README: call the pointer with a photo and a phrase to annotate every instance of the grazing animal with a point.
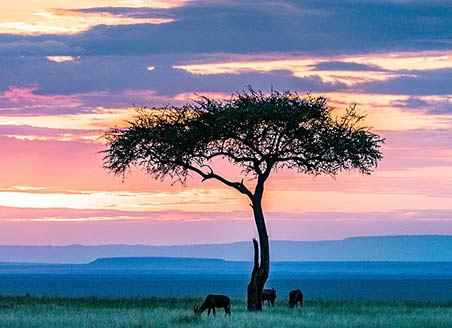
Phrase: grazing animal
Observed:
(214, 301)
(295, 296)
(269, 295)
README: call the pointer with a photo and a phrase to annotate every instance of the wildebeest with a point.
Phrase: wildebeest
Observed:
(214, 301)
(269, 295)
(295, 296)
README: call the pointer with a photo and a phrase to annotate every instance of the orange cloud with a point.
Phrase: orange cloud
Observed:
(61, 59)
(382, 114)
(420, 60)
(303, 66)
(63, 21)
(207, 200)
(192, 199)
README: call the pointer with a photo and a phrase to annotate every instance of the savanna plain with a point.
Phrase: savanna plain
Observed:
(52, 312)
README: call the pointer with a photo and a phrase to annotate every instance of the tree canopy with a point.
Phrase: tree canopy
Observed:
(257, 132)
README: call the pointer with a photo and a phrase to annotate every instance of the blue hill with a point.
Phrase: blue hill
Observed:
(433, 248)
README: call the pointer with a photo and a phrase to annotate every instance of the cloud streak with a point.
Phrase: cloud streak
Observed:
(47, 17)
(69, 227)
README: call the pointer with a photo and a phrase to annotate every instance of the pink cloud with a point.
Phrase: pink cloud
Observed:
(77, 165)
(221, 227)
(22, 99)
(43, 133)
(54, 164)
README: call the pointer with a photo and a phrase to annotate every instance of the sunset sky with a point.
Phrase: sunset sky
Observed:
(69, 71)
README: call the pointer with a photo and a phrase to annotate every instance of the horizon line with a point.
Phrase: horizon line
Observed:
(232, 242)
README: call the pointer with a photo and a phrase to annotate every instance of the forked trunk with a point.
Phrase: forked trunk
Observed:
(261, 269)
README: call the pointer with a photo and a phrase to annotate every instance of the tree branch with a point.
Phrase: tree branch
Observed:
(240, 186)
(262, 177)
(256, 255)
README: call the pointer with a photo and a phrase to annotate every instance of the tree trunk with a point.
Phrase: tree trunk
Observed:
(260, 271)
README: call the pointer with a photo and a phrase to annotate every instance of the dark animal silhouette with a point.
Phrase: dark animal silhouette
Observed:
(269, 295)
(295, 296)
(214, 301)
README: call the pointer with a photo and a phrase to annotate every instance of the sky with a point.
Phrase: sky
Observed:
(71, 70)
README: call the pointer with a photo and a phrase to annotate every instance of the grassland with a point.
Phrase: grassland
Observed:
(170, 312)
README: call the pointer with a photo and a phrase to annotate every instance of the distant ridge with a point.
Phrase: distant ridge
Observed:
(381, 248)
(146, 259)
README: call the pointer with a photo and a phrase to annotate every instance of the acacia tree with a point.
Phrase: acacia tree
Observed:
(259, 133)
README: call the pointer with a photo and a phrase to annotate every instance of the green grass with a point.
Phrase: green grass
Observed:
(170, 312)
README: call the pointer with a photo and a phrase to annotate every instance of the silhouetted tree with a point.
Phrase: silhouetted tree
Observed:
(260, 133)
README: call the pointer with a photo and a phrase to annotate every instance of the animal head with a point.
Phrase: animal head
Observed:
(196, 309)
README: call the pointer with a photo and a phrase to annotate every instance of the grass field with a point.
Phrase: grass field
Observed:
(170, 312)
